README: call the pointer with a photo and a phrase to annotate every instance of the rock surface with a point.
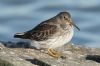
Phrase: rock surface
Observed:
(73, 55)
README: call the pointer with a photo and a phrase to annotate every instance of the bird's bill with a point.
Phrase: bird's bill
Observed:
(75, 26)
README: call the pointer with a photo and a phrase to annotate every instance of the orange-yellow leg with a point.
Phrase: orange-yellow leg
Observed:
(53, 53)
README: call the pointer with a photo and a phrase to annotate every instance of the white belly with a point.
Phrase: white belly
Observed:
(61, 40)
(55, 42)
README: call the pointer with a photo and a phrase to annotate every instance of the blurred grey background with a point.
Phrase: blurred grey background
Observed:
(22, 15)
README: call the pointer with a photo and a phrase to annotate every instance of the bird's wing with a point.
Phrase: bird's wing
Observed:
(42, 32)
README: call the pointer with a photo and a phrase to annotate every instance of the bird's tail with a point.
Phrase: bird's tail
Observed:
(19, 35)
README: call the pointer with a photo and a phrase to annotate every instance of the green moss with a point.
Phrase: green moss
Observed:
(5, 63)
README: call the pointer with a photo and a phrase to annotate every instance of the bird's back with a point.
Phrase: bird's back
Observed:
(41, 32)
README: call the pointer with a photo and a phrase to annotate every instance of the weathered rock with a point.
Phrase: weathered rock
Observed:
(1, 46)
(73, 55)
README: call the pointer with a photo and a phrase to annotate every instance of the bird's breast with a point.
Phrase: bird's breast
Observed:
(62, 39)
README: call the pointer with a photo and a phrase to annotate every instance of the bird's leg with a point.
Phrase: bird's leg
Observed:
(53, 53)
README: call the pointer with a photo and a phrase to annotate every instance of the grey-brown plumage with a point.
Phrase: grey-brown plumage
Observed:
(51, 33)
(45, 29)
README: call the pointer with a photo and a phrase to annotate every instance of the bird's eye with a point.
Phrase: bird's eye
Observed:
(65, 18)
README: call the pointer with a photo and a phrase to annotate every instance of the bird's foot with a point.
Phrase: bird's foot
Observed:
(54, 53)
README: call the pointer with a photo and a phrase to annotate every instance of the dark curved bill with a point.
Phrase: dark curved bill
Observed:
(75, 26)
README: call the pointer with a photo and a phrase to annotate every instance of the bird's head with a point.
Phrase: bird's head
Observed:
(65, 18)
